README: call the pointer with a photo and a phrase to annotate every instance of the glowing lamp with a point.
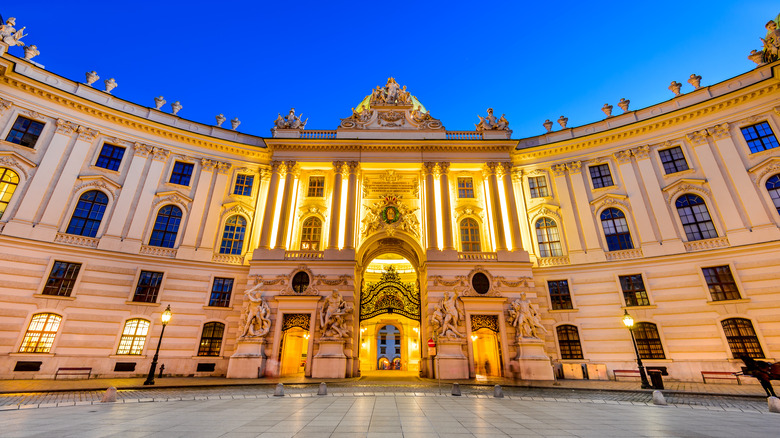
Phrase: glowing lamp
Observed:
(628, 320)
(166, 315)
(474, 338)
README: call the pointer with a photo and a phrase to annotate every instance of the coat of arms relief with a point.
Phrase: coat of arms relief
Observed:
(389, 215)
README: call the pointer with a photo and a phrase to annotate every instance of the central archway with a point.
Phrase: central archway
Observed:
(390, 310)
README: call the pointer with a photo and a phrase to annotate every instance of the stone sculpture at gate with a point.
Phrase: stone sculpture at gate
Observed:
(525, 319)
(332, 316)
(256, 317)
(446, 316)
(9, 34)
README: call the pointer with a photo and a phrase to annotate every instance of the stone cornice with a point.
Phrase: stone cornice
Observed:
(343, 145)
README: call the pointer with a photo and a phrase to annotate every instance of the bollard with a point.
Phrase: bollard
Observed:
(279, 390)
(774, 404)
(456, 389)
(323, 389)
(498, 392)
(109, 396)
(658, 398)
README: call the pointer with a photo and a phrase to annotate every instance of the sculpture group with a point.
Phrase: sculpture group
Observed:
(256, 315)
(290, 122)
(391, 94)
(10, 35)
(525, 319)
(771, 43)
(333, 317)
(491, 122)
(446, 316)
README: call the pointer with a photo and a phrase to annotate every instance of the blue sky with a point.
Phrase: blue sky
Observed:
(530, 60)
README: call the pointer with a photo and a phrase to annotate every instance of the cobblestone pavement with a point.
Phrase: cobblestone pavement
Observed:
(369, 388)
(343, 415)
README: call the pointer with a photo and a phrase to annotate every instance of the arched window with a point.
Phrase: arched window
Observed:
(311, 234)
(133, 336)
(695, 217)
(548, 238)
(211, 339)
(648, 342)
(88, 214)
(166, 226)
(8, 182)
(616, 230)
(40, 333)
(742, 338)
(233, 237)
(569, 342)
(772, 186)
(469, 235)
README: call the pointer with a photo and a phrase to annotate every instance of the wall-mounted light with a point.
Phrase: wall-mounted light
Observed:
(364, 345)
(474, 338)
(305, 336)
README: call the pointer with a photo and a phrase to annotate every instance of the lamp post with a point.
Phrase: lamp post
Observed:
(166, 316)
(629, 322)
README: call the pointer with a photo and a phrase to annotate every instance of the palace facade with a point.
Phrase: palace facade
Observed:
(516, 257)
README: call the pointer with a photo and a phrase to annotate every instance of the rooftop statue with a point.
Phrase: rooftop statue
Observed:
(391, 94)
(491, 122)
(771, 43)
(290, 122)
(10, 35)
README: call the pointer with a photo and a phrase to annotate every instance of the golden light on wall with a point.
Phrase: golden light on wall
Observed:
(488, 200)
(505, 212)
(290, 220)
(437, 203)
(343, 209)
(277, 210)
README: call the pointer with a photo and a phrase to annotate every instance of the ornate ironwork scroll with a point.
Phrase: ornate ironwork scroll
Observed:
(390, 295)
(489, 322)
(291, 320)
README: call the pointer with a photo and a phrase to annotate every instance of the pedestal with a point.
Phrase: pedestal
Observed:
(248, 362)
(330, 362)
(531, 362)
(452, 363)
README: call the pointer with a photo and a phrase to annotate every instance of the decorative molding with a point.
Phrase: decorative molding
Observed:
(438, 280)
(223, 167)
(609, 200)
(544, 209)
(299, 320)
(521, 282)
(71, 239)
(701, 245)
(686, 185)
(623, 156)
(158, 251)
(489, 322)
(237, 207)
(759, 171)
(228, 259)
(17, 162)
(87, 134)
(552, 261)
(160, 154)
(33, 114)
(98, 182)
(697, 137)
(720, 131)
(304, 255)
(478, 256)
(469, 291)
(641, 152)
(141, 149)
(559, 169)
(5, 105)
(311, 289)
(342, 280)
(65, 127)
(625, 254)
(574, 167)
(207, 165)
(171, 197)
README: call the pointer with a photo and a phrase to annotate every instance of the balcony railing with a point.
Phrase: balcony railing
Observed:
(70, 239)
(227, 258)
(553, 261)
(481, 256)
(158, 251)
(624, 254)
(464, 135)
(318, 134)
(701, 245)
(303, 255)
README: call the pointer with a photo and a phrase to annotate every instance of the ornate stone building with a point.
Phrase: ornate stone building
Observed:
(329, 253)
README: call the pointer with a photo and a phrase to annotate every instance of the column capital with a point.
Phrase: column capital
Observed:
(87, 134)
(429, 168)
(559, 169)
(623, 156)
(207, 165)
(160, 154)
(4, 105)
(641, 152)
(697, 137)
(352, 167)
(489, 168)
(66, 127)
(223, 167)
(574, 167)
(517, 175)
(444, 168)
(720, 131)
(265, 173)
(141, 150)
(293, 168)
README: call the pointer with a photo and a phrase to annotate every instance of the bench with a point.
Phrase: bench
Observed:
(727, 375)
(73, 372)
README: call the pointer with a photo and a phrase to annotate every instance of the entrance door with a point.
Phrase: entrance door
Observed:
(388, 348)
(294, 348)
(487, 353)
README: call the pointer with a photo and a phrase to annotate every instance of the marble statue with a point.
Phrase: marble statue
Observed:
(491, 122)
(525, 319)
(332, 316)
(290, 122)
(446, 316)
(771, 43)
(31, 52)
(391, 90)
(9, 34)
(419, 116)
(256, 316)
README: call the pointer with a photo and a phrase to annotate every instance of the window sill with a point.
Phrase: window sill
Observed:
(563, 310)
(141, 303)
(572, 361)
(209, 358)
(657, 361)
(31, 354)
(127, 356)
(649, 306)
(54, 297)
(605, 188)
(177, 186)
(680, 173)
(20, 147)
(104, 169)
(217, 308)
(737, 301)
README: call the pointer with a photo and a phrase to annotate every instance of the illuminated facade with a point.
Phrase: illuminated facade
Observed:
(111, 211)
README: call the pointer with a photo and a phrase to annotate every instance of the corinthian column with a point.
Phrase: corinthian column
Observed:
(511, 203)
(430, 205)
(270, 204)
(349, 224)
(446, 209)
(283, 227)
(335, 207)
(494, 204)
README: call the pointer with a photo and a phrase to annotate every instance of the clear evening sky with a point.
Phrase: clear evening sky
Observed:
(530, 60)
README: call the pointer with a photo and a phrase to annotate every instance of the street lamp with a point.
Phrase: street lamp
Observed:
(166, 316)
(629, 322)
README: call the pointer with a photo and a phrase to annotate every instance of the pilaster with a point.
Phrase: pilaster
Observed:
(645, 234)
(283, 226)
(141, 215)
(335, 207)
(353, 168)
(270, 205)
(489, 171)
(430, 206)
(446, 214)
(212, 225)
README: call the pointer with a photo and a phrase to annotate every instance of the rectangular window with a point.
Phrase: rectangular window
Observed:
(148, 287)
(220, 292)
(25, 132)
(560, 298)
(538, 186)
(244, 185)
(673, 160)
(634, 290)
(316, 187)
(600, 176)
(759, 137)
(721, 283)
(182, 172)
(465, 187)
(61, 279)
(110, 157)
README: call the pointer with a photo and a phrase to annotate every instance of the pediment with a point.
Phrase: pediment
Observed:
(238, 207)
(686, 185)
(767, 167)
(16, 161)
(544, 209)
(99, 182)
(609, 199)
